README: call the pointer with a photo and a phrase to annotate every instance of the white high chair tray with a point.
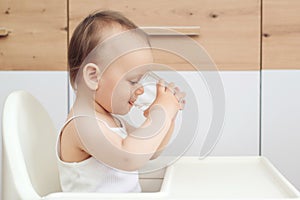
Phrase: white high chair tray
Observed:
(212, 177)
(226, 177)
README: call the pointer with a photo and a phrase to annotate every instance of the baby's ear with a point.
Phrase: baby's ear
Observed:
(91, 75)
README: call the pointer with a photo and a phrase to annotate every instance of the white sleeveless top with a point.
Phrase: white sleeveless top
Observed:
(91, 175)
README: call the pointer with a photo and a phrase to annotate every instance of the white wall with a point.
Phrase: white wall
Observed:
(281, 121)
(49, 87)
(241, 130)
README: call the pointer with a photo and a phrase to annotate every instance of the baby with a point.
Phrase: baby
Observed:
(96, 150)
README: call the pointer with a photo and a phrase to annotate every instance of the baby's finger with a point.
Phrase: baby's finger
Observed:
(160, 86)
(171, 87)
(176, 89)
(182, 104)
(180, 95)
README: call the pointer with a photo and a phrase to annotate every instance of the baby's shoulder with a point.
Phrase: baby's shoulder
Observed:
(69, 133)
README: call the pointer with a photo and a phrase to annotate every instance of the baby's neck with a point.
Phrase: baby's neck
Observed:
(93, 110)
(89, 107)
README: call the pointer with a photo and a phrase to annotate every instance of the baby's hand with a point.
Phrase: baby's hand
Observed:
(169, 97)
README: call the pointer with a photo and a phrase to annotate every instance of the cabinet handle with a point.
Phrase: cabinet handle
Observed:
(172, 30)
(4, 32)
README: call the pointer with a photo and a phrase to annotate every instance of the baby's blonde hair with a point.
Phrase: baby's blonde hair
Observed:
(88, 34)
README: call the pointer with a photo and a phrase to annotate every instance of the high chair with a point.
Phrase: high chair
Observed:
(29, 162)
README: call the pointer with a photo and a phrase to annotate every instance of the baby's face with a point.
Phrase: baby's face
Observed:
(118, 88)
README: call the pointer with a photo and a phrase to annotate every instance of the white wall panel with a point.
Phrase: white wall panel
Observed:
(281, 121)
(49, 87)
(240, 135)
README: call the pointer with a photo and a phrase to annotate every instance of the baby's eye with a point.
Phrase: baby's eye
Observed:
(133, 82)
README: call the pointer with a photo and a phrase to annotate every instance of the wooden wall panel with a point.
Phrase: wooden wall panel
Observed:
(38, 40)
(229, 29)
(281, 34)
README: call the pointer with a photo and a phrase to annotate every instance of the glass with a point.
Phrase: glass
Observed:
(148, 82)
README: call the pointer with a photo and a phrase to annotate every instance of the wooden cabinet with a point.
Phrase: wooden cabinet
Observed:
(281, 34)
(38, 38)
(229, 29)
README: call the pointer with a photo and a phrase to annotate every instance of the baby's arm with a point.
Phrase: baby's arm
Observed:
(164, 143)
(137, 148)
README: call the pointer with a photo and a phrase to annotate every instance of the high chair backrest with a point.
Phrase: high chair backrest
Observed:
(29, 137)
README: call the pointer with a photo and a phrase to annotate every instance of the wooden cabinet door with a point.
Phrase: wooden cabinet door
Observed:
(38, 38)
(229, 29)
(281, 34)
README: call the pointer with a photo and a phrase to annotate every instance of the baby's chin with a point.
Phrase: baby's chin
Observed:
(123, 110)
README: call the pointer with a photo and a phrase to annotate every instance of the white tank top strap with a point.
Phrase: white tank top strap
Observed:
(69, 120)
(121, 131)
(123, 126)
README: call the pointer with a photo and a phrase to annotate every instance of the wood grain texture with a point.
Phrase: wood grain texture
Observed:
(229, 29)
(38, 38)
(281, 34)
